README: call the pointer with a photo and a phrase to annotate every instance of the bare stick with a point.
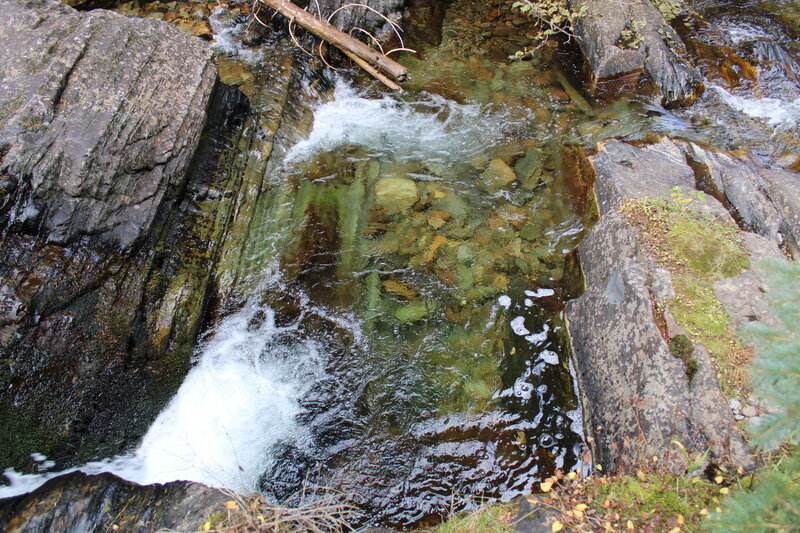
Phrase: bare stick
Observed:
(349, 45)
(373, 71)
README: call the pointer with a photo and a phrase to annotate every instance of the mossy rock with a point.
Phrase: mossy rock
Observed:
(682, 348)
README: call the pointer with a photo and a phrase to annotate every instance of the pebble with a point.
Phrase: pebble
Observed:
(738, 417)
(750, 411)
(735, 404)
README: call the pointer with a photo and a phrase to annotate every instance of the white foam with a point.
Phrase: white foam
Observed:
(518, 326)
(781, 114)
(548, 356)
(540, 293)
(504, 301)
(228, 38)
(240, 400)
(432, 129)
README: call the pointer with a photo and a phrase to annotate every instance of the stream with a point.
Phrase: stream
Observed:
(394, 328)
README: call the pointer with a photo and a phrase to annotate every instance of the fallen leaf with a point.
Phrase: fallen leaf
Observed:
(231, 505)
(557, 526)
(675, 530)
(723, 490)
(640, 475)
(718, 480)
(629, 524)
(545, 486)
(572, 475)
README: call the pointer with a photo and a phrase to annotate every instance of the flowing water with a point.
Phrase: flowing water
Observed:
(393, 326)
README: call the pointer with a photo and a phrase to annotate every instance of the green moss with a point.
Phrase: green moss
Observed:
(697, 251)
(215, 521)
(681, 347)
(23, 433)
(705, 246)
(491, 518)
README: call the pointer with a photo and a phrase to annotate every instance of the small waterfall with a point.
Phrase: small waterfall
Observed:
(237, 403)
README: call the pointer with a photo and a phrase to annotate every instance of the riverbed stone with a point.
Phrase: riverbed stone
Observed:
(624, 38)
(396, 193)
(750, 411)
(497, 176)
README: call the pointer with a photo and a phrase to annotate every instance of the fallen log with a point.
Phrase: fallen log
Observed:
(347, 44)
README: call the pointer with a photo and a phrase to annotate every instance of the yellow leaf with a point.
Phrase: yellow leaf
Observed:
(640, 475)
(681, 520)
(572, 475)
(557, 526)
(703, 511)
(629, 524)
(599, 467)
(581, 507)
(231, 505)
(545, 486)
(718, 480)
(723, 490)
(675, 530)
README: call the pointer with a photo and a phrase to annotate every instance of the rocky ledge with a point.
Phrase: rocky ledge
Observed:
(88, 154)
(77, 503)
(639, 394)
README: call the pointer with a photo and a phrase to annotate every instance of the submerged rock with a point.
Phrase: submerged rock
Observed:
(497, 176)
(105, 502)
(98, 133)
(628, 38)
(396, 193)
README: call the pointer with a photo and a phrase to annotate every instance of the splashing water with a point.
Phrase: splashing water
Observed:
(781, 114)
(433, 128)
(238, 402)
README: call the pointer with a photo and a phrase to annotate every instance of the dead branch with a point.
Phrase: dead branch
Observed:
(374, 62)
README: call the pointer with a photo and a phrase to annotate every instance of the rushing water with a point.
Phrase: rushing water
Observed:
(395, 329)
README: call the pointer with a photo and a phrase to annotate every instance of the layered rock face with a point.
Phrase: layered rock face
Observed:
(100, 117)
(631, 38)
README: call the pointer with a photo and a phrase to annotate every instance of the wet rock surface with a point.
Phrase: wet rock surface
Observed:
(98, 136)
(104, 269)
(764, 199)
(623, 38)
(78, 502)
(639, 396)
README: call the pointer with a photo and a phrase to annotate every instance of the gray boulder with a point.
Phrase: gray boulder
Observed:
(100, 115)
(623, 172)
(620, 38)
